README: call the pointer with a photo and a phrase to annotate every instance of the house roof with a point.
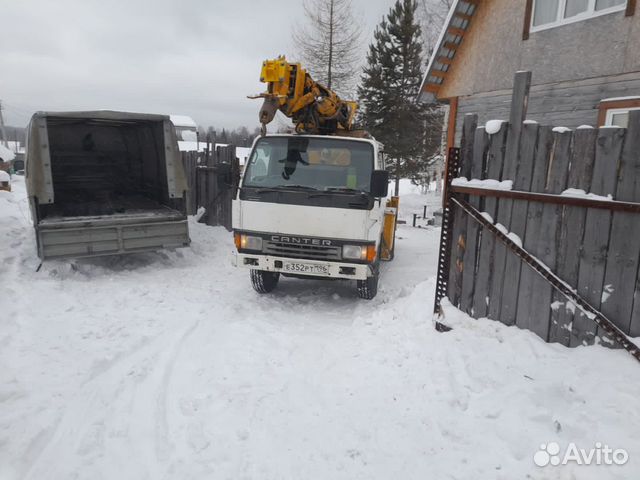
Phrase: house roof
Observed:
(453, 31)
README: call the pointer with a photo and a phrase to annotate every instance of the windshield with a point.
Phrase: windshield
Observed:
(310, 163)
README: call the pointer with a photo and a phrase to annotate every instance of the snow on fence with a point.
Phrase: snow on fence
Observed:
(213, 178)
(574, 205)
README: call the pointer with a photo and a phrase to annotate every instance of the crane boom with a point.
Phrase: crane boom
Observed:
(312, 107)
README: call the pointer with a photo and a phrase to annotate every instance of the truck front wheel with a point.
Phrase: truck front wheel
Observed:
(368, 289)
(264, 282)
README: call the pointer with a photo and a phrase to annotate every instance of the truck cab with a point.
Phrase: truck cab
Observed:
(312, 206)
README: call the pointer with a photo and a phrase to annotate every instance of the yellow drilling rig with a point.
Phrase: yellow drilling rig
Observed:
(314, 108)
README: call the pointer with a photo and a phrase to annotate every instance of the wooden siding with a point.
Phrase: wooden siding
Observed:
(568, 104)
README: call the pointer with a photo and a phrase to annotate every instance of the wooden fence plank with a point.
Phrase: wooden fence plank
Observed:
(572, 233)
(517, 225)
(518, 113)
(459, 232)
(527, 310)
(480, 147)
(597, 228)
(546, 250)
(495, 159)
(624, 247)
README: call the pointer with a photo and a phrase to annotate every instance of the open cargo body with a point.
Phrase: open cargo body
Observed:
(104, 183)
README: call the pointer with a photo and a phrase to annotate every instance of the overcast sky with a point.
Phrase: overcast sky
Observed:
(194, 57)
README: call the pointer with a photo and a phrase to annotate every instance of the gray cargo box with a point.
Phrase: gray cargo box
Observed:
(103, 183)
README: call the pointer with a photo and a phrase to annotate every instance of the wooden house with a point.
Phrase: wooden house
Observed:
(584, 55)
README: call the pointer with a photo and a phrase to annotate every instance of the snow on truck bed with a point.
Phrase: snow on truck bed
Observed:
(168, 366)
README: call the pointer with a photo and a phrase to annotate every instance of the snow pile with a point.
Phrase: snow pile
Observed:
(4, 176)
(493, 126)
(578, 193)
(169, 366)
(561, 129)
(491, 184)
(6, 155)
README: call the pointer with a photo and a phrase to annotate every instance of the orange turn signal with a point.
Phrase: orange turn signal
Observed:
(237, 239)
(371, 253)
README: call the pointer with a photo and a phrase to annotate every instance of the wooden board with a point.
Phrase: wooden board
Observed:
(597, 228)
(495, 159)
(520, 99)
(518, 223)
(624, 246)
(571, 234)
(530, 281)
(480, 148)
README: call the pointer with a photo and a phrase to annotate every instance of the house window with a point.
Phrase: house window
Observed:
(615, 111)
(619, 117)
(553, 13)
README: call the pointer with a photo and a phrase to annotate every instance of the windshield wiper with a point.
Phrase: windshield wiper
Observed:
(298, 187)
(280, 188)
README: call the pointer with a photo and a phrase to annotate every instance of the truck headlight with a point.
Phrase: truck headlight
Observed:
(359, 252)
(354, 252)
(247, 242)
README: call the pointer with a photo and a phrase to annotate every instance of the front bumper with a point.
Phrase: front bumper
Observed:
(352, 271)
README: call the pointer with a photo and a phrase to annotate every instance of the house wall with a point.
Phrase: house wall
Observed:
(568, 104)
(574, 66)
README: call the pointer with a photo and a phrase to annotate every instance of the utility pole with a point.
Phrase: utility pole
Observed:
(2, 130)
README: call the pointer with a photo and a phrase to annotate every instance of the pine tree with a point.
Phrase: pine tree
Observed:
(390, 84)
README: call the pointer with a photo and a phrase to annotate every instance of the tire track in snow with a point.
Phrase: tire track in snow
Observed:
(149, 364)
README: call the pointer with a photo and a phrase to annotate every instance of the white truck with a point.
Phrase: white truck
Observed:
(314, 206)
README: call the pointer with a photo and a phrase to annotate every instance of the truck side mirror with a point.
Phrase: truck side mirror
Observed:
(379, 183)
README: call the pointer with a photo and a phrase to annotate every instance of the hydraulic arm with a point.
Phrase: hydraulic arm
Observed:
(312, 107)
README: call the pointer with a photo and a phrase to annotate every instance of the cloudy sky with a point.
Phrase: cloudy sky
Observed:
(194, 57)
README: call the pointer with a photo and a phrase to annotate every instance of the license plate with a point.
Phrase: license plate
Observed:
(296, 267)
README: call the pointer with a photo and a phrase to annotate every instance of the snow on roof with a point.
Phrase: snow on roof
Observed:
(6, 154)
(620, 99)
(182, 121)
(243, 154)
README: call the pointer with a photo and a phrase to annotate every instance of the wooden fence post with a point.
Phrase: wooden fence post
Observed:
(518, 114)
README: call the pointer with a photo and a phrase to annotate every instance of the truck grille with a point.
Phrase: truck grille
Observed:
(315, 252)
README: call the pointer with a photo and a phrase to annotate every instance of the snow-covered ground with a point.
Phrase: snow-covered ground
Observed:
(169, 366)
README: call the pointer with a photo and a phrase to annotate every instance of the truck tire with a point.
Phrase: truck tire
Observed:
(368, 289)
(264, 282)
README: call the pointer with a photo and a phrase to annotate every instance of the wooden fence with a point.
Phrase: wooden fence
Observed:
(213, 178)
(589, 241)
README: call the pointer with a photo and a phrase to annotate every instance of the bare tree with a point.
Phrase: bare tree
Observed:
(329, 44)
(434, 13)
